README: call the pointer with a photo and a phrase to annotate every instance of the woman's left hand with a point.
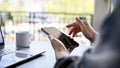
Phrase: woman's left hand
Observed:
(59, 48)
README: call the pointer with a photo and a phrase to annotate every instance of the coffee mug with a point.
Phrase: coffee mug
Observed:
(22, 39)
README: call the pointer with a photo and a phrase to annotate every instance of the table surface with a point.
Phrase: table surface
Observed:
(48, 59)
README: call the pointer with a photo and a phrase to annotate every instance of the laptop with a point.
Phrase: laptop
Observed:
(10, 56)
(3, 51)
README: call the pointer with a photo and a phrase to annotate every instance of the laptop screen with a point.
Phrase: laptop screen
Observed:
(1, 38)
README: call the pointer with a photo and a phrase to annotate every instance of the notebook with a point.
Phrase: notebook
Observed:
(10, 56)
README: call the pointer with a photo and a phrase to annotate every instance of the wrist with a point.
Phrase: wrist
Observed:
(61, 55)
(92, 39)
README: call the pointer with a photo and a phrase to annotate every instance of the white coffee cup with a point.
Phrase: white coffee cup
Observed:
(22, 39)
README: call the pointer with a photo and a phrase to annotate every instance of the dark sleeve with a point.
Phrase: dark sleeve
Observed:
(72, 61)
(91, 59)
(68, 62)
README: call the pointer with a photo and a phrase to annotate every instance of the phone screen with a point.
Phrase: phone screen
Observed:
(67, 41)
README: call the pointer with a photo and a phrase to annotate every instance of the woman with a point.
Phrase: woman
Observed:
(77, 26)
(104, 54)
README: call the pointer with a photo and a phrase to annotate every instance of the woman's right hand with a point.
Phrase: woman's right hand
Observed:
(82, 26)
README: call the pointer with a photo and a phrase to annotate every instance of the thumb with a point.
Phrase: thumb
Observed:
(50, 37)
(79, 21)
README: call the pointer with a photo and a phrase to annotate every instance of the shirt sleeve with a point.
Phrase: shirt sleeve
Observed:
(71, 62)
(91, 59)
(68, 62)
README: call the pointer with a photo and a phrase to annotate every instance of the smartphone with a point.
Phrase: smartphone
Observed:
(66, 39)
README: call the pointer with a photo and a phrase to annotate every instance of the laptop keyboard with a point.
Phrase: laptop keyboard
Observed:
(5, 52)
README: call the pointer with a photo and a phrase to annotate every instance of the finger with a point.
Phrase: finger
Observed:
(50, 37)
(85, 22)
(58, 43)
(75, 33)
(71, 31)
(53, 42)
(79, 21)
(71, 25)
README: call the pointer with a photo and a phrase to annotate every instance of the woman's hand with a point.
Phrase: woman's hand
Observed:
(82, 26)
(59, 48)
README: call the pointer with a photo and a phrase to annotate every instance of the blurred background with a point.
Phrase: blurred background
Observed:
(31, 15)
